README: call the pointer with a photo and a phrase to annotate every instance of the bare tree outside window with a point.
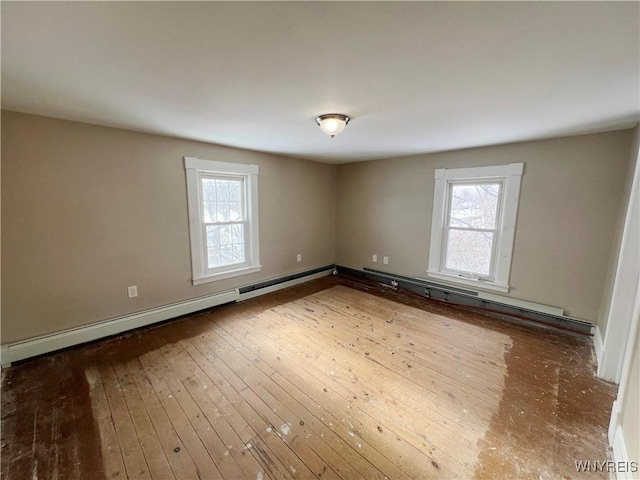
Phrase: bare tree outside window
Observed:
(471, 229)
(224, 220)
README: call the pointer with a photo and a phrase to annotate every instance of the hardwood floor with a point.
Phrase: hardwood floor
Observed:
(329, 379)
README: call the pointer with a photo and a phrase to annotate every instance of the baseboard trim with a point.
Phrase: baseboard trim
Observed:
(44, 344)
(605, 369)
(75, 336)
(598, 347)
(621, 456)
(4, 354)
(619, 445)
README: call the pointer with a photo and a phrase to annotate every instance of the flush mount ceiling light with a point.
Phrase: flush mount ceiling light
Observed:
(332, 123)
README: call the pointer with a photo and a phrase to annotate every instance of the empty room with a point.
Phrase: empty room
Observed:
(341, 240)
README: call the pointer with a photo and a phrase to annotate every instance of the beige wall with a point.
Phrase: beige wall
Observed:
(571, 194)
(89, 210)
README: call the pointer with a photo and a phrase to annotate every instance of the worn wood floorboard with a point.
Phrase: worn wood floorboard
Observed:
(335, 379)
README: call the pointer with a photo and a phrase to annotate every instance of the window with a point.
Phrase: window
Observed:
(473, 225)
(223, 219)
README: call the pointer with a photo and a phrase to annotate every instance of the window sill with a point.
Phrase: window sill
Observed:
(469, 282)
(224, 275)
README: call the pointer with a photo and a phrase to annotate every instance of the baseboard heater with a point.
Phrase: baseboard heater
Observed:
(267, 286)
(36, 346)
(528, 312)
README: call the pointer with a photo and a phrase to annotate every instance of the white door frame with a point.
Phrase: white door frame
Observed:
(621, 319)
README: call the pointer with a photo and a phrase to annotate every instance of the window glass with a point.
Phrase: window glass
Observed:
(474, 206)
(469, 251)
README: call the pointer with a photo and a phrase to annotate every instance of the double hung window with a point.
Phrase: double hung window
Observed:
(223, 219)
(473, 225)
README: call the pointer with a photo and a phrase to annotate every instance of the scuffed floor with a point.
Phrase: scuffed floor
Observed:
(329, 379)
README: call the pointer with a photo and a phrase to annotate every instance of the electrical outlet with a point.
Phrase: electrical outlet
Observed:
(385, 260)
(374, 258)
(299, 257)
(132, 291)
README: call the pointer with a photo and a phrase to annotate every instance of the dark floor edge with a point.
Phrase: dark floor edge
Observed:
(469, 299)
(70, 338)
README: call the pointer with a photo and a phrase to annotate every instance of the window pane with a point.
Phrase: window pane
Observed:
(209, 189)
(222, 190)
(226, 255)
(235, 191)
(222, 214)
(225, 245)
(229, 190)
(469, 251)
(235, 211)
(237, 233)
(209, 211)
(474, 206)
(222, 200)
(238, 253)
(213, 257)
(225, 234)
(213, 236)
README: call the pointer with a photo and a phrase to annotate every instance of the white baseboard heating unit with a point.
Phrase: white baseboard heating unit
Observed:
(67, 338)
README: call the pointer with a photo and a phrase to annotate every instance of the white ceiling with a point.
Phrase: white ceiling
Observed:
(415, 77)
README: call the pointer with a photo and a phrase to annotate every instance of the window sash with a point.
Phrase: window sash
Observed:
(205, 242)
(242, 179)
(447, 228)
(469, 273)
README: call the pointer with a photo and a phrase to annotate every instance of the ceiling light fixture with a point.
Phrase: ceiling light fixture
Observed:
(332, 123)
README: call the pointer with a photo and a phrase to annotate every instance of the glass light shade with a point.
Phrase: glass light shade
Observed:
(333, 123)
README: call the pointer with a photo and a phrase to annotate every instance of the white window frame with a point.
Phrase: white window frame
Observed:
(196, 169)
(510, 176)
